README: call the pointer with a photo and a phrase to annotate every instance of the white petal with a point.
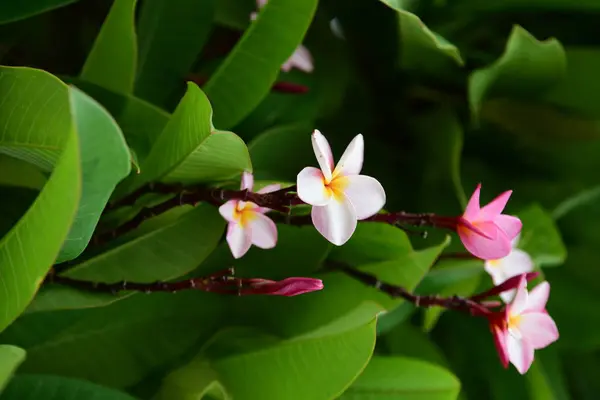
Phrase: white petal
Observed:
(247, 181)
(239, 239)
(521, 299)
(311, 187)
(301, 59)
(515, 242)
(539, 329)
(323, 153)
(516, 263)
(228, 210)
(261, 3)
(264, 231)
(520, 354)
(366, 195)
(352, 160)
(538, 297)
(336, 221)
(270, 188)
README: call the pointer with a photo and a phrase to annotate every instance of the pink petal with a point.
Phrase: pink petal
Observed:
(487, 249)
(539, 329)
(261, 3)
(270, 188)
(500, 339)
(247, 181)
(311, 187)
(286, 287)
(352, 159)
(509, 224)
(495, 207)
(239, 239)
(228, 210)
(336, 221)
(323, 153)
(301, 59)
(521, 300)
(538, 297)
(366, 195)
(264, 231)
(472, 210)
(520, 353)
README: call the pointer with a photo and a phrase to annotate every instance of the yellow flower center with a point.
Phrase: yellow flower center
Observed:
(514, 321)
(494, 263)
(244, 212)
(335, 187)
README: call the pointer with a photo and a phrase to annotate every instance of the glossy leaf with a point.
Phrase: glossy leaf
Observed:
(245, 77)
(111, 345)
(112, 61)
(10, 359)
(540, 237)
(13, 11)
(403, 378)
(49, 387)
(170, 36)
(165, 253)
(526, 69)
(196, 380)
(291, 369)
(104, 162)
(409, 341)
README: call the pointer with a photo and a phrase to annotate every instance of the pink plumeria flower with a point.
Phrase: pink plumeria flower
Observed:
(524, 326)
(485, 231)
(247, 223)
(301, 59)
(339, 196)
(287, 287)
(517, 262)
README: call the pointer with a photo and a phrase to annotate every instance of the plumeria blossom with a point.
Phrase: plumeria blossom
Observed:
(301, 59)
(339, 196)
(247, 223)
(287, 287)
(517, 262)
(485, 231)
(523, 326)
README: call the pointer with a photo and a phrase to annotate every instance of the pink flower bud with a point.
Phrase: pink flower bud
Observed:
(286, 287)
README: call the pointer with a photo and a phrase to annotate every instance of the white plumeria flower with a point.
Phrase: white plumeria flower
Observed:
(517, 262)
(301, 59)
(247, 223)
(339, 196)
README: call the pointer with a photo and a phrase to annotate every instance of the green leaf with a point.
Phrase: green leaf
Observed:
(408, 341)
(234, 14)
(527, 5)
(122, 343)
(189, 151)
(196, 380)
(161, 254)
(245, 77)
(581, 199)
(16, 172)
(540, 237)
(104, 162)
(171, 34)
(525, 70)
(545, 378)
(11, 11)
(403, 378)
(112, 61)
(421, 49)
(10, 359)
(25, 255)
(48, 387)
(300, 368)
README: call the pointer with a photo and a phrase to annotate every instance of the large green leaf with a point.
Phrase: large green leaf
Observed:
(196, 380)
(16, 172)
(161, 254)
(408, 341)
(300, 368)
(467, 6)
(245, 77)
(120, 344)
(10, 359)
(388, 378)
(170, 36)
(526, 69)
(15, 10)
(25, 255)
(49, 387)
(104, 163)
(112, 61)
(190, 151)
(540, 237)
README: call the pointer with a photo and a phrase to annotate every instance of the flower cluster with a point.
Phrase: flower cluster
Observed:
(340, 197)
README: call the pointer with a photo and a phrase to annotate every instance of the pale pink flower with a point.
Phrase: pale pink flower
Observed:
(339, 196)
(247, 223)
(524, 326)
(485, 231)
(517, 262)
(286, 287)
(301, 59)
